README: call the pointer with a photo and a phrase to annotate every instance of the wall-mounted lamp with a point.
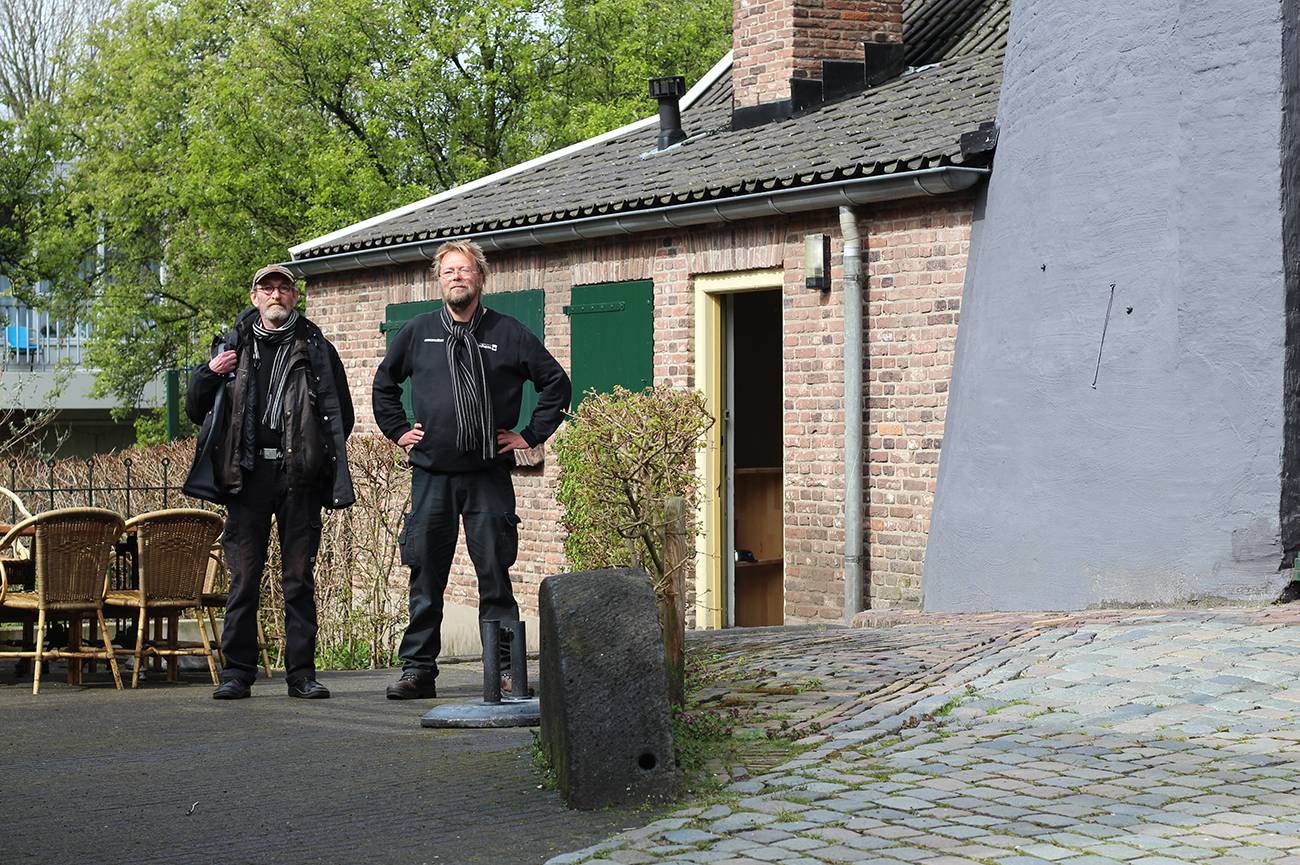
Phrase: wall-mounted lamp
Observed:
(817, 261)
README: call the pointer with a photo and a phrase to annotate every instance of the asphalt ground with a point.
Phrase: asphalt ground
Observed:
(166, 774)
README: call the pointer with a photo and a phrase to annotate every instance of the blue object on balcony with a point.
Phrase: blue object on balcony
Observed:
(17, 337)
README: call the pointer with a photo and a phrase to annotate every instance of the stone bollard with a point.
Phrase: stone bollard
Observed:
(603, 688)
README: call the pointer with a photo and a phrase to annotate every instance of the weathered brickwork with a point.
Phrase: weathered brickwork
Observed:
(915, 254)
(917, 262)
(776, 40)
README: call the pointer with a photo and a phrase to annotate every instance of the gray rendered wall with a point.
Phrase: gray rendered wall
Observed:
(1139, 145)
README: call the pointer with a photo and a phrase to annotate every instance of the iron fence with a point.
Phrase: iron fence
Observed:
(116, 483)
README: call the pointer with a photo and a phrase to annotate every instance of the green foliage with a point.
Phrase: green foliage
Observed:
(30, 151)
(198, 141)
(198, 155)
(717, 726)
(542, 760)
(621, 456)
(353, 654)
(151, 427)
(611, 48)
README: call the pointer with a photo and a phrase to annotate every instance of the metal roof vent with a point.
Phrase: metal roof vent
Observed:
(668, 91)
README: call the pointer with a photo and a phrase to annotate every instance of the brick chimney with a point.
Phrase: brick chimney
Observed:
(776, 40)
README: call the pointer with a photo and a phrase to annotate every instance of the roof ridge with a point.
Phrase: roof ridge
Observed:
(691, 96)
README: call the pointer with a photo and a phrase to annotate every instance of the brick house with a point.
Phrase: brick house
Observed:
(678, 256)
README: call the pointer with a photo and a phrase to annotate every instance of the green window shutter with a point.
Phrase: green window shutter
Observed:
(611, 331)
(396, 315)
(527, 306)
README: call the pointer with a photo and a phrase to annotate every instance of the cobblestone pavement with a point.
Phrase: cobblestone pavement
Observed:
(1139, 737)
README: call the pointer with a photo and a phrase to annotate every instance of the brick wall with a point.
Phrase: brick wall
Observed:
(915, 255)
(776, 40)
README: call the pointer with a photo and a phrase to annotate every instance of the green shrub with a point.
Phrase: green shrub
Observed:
(622, 455)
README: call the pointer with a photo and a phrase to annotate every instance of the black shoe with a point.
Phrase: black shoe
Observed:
(413, 685)
(232, 689)
(308, 689)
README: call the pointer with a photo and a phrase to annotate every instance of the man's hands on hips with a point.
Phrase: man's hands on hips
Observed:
(506, 441)
(510, 441)
(411, 437)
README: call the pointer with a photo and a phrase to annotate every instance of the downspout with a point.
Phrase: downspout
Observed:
(853, 412)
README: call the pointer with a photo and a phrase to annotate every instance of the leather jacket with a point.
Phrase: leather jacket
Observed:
(317, 421)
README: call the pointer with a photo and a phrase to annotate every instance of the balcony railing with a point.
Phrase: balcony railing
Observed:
(30, 340)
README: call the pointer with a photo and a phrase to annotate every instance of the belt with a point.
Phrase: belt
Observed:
(270, 453)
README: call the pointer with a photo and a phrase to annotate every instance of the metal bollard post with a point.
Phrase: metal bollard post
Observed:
(496, 710)
(490, 631)
(518, 662)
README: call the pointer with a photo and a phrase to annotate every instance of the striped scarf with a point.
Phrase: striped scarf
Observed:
(282, 339)
(475, 426)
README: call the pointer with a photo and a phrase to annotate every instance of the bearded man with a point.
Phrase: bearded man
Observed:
(467, 365)
(280, 452)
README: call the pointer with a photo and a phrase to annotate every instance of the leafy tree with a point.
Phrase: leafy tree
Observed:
(196, 159)
(204, 138)
(612, 48)
(29, 153)
(40, 43)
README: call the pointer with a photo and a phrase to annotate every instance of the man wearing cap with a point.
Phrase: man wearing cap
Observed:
(467, 365)
(280, 453)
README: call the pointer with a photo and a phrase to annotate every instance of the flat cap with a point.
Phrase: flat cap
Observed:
(270, 269)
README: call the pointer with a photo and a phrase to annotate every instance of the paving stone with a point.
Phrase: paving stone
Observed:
(1118, 852)
(689, 836)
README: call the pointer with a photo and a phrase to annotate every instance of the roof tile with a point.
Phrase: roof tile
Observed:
(909, 123)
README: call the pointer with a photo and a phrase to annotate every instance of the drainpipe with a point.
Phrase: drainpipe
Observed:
(853, 412)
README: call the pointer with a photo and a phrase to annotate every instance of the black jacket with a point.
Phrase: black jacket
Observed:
(512, 355)
(318, 413)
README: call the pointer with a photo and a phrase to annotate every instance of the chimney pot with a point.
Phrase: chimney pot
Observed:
(669, 91)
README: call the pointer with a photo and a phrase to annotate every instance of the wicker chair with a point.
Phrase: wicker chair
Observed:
(173, 550)
(70, 550)
(19, 549)
(18, 503)
(215, 596)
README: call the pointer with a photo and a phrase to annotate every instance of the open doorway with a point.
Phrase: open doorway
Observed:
(754, 457)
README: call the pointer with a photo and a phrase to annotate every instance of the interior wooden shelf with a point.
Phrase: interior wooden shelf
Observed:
(758, 563)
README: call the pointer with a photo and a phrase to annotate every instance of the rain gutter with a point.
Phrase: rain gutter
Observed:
(858, 191)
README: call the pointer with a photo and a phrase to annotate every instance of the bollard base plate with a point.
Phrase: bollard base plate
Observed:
(476, 713)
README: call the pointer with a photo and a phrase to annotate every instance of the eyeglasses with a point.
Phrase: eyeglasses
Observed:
(269, 290)
(453, 272)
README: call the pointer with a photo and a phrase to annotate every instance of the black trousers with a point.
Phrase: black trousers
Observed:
(248, 532)
(485, 501)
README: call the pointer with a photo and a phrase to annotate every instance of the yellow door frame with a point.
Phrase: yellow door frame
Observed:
(710, 371)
